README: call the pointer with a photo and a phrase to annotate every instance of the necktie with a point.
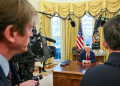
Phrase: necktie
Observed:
(87, 57)
(9, 77)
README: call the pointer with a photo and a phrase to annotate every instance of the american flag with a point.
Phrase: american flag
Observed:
(80, 39)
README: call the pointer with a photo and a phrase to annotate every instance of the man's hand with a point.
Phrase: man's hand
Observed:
(29, 83)
(86, 61)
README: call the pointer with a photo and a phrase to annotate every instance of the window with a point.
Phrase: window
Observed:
(87, 29)
(55, 22)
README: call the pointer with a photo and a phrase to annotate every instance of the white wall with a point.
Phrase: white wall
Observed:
(35, 4)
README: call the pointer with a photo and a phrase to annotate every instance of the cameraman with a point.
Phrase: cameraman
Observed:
(16, 21)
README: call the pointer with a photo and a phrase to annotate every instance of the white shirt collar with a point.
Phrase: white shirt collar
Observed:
(88, 54)
(4, 64)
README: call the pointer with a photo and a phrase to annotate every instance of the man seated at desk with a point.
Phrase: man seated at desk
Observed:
(87, 56)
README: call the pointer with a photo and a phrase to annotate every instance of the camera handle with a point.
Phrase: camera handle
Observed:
(36, 77)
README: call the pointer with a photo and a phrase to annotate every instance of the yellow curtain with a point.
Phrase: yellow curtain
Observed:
(94, 8)
(49, 7)
(75, 10)
(79, 9)
(63, 9)
(113, 5)
(62, 39)
(71, 36)
(46, 31)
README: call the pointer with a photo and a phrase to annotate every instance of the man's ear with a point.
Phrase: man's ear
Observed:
(10, 34)
(105, 44)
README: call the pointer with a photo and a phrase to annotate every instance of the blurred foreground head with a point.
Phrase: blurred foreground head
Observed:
(17, 13)
(111, 30)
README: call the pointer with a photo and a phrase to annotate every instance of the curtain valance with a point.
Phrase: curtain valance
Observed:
(93, 8)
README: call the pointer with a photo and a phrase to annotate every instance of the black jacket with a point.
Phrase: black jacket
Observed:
(107, 74)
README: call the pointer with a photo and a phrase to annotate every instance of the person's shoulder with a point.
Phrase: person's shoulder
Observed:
(92, 52)
(96, 68)
(83, 52)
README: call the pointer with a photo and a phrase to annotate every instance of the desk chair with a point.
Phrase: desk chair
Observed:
(79, 51)
(74, 49)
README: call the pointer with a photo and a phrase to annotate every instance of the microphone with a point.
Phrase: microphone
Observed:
(99, 21)
(72, 23)
(102, 23)
(50, 39)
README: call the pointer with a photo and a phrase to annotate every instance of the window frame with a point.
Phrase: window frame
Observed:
(58, 20)
(93, 22)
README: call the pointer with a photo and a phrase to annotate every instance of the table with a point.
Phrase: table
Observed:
(99, 58)
(70, 75)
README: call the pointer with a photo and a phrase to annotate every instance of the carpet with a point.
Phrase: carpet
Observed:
(47, 77)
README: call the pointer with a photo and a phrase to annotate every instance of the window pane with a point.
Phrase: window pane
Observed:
(55, 33)
(56, 36)
(86, 26)
(54, 19)
(58, 53)
(55, 25)
(58, 19)
(90, 22)
(91, 32)
(86, 32)
(87, 29)
(90, 26)
(87, 40)
(57, 44)
(58, 48)
(86, 22)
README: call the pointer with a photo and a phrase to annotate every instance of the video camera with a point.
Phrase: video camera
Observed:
(39, 47)
(38, 51)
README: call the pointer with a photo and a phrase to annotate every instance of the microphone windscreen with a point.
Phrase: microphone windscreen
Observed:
(99, 22)
(73, 23)
(102, 23)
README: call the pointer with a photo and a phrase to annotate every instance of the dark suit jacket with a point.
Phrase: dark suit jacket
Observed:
(107, 74)
(14, 74)
(3, 79)
(15, 79)
(82, 56)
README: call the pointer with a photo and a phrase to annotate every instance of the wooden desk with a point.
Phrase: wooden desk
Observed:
(71, 74)
(99, 58)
